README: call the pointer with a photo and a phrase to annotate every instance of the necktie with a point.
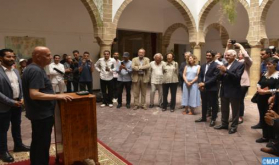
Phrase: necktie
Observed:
(206, 68)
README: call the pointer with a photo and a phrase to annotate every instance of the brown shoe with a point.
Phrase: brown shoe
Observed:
(184, 113)
(190, 113)
(268, 150)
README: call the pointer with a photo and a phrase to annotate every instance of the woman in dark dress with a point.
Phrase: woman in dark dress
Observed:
(266, 88)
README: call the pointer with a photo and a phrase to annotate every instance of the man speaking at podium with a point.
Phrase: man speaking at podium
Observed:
(39, 99)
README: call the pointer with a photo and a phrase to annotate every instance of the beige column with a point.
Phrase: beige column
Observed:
(254, 70)
(104, 47)
(197, 51)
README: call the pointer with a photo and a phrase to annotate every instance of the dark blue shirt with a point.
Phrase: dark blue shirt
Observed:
(35, 77)
(85, 74)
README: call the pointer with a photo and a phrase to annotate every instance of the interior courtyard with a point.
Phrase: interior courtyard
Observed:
(153, 137)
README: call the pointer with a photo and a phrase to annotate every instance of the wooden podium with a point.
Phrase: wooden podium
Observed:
(76, 130)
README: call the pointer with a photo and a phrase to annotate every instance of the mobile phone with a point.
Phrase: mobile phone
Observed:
(233, 42)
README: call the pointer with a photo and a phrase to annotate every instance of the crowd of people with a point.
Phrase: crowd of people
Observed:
(220, 80)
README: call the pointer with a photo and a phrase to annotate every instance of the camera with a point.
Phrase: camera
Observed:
(233, 42)
(273, 49)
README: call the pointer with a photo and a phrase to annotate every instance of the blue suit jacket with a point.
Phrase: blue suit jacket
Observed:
(211, 77)
(231, 87)
(6, 92)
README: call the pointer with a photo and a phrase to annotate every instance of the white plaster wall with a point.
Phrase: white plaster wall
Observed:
(180, 36)
(141, 17)
(115, 6)
(171, 16)
(153, 19)
(65, 27)
(271, 23)
(212, 42)
(260, 2)
(195, 8)
(238, 30)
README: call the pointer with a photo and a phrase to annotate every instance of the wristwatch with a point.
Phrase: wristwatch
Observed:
(272, 122)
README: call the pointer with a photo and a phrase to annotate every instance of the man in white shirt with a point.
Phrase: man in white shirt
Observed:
(105, 66)
(56, 72)
(115, 76)
(156, 71)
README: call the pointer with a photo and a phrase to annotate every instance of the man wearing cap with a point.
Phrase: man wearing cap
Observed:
(124, 70)
(22, 63)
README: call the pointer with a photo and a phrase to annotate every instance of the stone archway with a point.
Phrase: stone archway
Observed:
(168, 33)
(220, 28)
(179, 4)
(94, 15)
(264, 7)
(205, 11)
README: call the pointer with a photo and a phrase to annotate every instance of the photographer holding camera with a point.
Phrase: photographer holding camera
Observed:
(245, 78)
(105, 66)
(124, 70)
(85, 69)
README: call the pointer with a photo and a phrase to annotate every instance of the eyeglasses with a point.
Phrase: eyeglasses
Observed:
(262, 54)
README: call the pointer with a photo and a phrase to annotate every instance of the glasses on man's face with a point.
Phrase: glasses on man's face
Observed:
(262, 54)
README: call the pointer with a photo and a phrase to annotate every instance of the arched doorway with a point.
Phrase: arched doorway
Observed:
(150, 20)
(216, 37)
(176, 39)
(270, 24)
(215, 40)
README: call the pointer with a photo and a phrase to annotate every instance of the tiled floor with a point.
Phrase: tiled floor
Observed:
(151, 136)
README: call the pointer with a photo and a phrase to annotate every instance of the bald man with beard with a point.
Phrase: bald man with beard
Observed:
(39, 99)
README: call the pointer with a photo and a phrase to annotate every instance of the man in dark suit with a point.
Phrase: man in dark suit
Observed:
(10, 105)
(230, 75)
(209, 87)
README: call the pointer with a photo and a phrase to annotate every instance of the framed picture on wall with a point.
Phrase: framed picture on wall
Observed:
(23, 46)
